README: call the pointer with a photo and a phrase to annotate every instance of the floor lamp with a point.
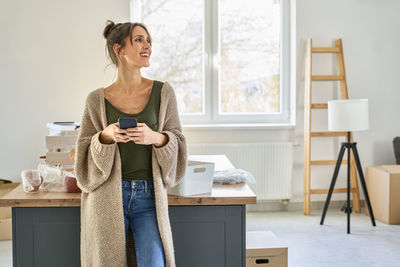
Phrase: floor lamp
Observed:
(348, 115)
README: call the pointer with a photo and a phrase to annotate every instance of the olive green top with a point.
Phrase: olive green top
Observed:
(136, 158)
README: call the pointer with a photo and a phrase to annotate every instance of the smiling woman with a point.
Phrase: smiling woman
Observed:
(124, 173)
(118, 33)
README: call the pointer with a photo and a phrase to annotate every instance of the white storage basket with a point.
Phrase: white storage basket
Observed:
(198, 179)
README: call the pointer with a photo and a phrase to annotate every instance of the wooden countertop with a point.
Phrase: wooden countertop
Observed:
(238, 194)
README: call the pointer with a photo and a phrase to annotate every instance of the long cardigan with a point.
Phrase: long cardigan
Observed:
(98, 171)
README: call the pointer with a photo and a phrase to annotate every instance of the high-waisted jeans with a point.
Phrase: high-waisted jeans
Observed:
(140, 216)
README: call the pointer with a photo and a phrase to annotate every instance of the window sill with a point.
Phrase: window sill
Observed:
(240, 126)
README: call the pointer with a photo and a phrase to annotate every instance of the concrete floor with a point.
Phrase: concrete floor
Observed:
(312, 245)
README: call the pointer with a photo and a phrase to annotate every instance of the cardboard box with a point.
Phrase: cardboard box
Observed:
(5, 212)
(5, 229)
(5, 187)
(263, 248)
(383, 185)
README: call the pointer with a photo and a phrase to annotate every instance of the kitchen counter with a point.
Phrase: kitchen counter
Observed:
(208, 229)
(237, 194)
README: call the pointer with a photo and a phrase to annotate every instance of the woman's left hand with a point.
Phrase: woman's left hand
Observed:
(142, 134)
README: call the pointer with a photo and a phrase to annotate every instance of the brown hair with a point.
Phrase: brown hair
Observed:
(117, 33)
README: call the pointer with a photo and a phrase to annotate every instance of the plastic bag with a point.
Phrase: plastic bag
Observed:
(233, 176)
(31, 180)
(53, 178)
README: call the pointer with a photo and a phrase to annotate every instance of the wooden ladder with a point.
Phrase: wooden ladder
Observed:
(308, 134)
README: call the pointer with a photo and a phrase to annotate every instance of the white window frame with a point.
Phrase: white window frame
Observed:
(211, 58)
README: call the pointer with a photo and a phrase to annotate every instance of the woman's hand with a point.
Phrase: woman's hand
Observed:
(113, 133)
(143, 135)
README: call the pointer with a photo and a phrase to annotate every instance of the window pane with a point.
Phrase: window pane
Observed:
(177, 32)
(250, 56)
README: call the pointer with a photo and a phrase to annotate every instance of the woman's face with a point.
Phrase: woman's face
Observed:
(138, 53)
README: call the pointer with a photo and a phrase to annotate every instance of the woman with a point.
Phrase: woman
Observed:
(124, 173)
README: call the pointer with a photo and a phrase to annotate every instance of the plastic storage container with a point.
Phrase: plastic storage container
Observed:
(198, 179)
(63, 128)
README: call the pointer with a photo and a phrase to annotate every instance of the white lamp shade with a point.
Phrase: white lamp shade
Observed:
(348, 115)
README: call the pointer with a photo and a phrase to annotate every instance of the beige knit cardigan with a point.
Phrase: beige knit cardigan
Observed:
(98, 171)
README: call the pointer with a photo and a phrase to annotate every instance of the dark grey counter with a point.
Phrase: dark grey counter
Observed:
(208, 230)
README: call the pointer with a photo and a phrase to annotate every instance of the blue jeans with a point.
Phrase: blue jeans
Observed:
(140, 215)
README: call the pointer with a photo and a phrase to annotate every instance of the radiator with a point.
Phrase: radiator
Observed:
(270, 163)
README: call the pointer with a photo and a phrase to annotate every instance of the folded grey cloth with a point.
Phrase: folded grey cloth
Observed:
(233, 176)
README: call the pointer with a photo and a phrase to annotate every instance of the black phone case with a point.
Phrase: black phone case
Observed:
(125, 123)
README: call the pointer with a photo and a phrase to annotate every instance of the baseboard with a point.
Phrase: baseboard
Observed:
(294, 206)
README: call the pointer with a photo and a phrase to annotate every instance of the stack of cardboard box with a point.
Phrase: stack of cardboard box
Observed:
(5, 212)
(263, 248)
(383, 185)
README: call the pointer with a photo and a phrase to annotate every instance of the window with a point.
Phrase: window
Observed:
(228, 60)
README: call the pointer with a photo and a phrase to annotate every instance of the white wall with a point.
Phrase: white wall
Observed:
(369, 30)
(53, 56)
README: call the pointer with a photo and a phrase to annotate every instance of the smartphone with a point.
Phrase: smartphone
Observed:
(125, 123)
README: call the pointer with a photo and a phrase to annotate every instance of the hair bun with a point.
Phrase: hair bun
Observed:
(109, 27)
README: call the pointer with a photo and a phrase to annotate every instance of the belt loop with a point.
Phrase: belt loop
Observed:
(145, 186)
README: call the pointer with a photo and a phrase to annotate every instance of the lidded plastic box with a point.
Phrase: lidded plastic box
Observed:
(63, 128)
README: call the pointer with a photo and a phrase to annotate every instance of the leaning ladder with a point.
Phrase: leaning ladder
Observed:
(308, 134)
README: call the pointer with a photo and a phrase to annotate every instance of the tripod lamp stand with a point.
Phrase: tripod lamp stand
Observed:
(348, 115)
